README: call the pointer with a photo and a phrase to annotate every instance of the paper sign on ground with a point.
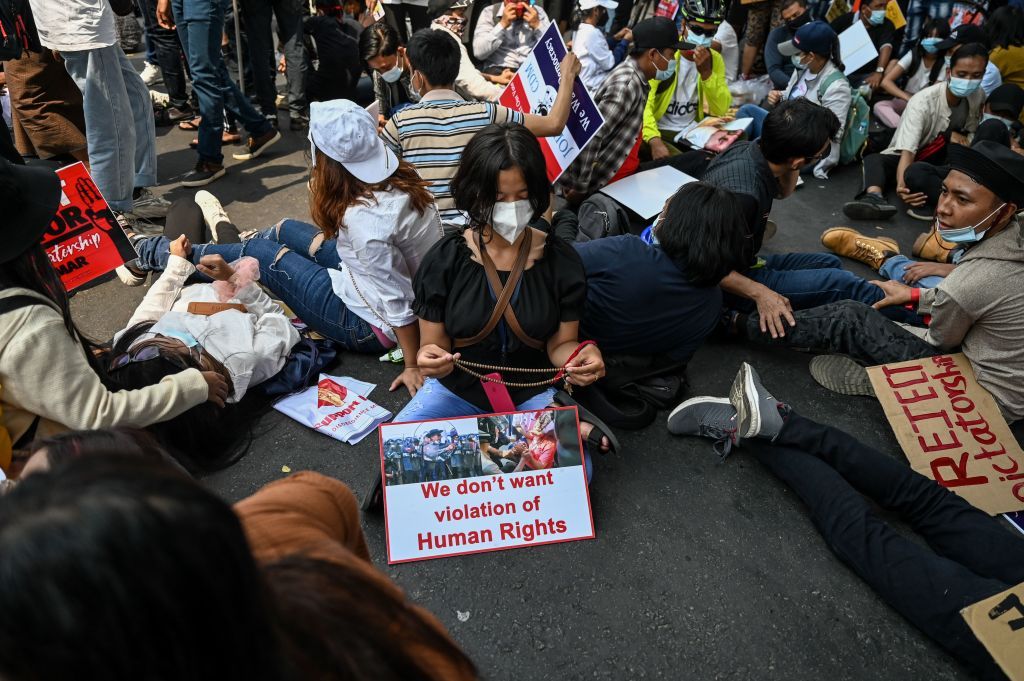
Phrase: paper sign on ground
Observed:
(952, 431)
(646, 193)
(715, 134)
(475, 484)
(533, 90)
(998, 622)
(84, 240)
(337, 407)
(855, 47)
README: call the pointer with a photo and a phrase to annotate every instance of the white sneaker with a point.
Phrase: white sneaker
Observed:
(213, 212)
(129, 276)
(151, 74)
(150, 206)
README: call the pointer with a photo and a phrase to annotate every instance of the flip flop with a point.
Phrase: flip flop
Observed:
(190, 124)
(225, 138)
(599, 430)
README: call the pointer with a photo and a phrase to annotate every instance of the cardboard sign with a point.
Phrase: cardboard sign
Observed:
(951, 430)
(533, 90)
(998, 622)
(855, 47)
(84, 240)
(377, 10)
(645, 193)
(487, 483)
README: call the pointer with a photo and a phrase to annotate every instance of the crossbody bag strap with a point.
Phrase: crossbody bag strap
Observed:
(518, 268)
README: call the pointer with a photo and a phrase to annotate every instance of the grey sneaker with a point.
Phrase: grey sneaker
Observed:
(757, 409)
(149, 206)
(213, 212)
(869, 207)
(842, 375)
(710, 417)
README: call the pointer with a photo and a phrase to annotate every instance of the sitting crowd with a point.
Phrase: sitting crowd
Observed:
(436, 231)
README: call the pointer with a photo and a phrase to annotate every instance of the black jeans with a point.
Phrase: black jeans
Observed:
(169, 56)
(257, 15)
(880, 171)
(848, 327)
(396, 14)
(970, 558)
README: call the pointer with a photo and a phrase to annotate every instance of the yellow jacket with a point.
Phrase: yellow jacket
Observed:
(712, 94)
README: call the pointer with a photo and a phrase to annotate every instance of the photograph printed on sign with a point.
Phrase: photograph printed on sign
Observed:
(429, 451)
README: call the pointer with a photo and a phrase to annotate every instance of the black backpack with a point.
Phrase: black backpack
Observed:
(17, 30)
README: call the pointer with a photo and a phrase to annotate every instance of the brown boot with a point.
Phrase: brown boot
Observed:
(931, 246)
(872, 251)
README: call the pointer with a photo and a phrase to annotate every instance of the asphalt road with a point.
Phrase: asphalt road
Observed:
(699, 569)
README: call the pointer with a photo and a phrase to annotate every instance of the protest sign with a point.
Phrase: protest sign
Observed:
(855, 47)
(645, 193)
(951, 430)
(476, 484)
(337, 407)
(667, 9)
(894, 14)
(998, 622)
(84, 240)
(533, 90)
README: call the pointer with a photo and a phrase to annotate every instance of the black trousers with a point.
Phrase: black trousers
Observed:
(185, 217)
(848, 327)
(396, 14)
(970, 557)
(169, 56)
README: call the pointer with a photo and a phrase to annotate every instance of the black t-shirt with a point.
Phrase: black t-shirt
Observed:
(880, 35)
(451, 288)
(336, 48)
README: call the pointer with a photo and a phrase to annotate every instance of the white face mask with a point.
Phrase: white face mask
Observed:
(509, 218)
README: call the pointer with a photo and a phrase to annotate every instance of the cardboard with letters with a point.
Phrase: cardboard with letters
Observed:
(533, 90)
(951, 430)
(447, 495)
(84, 240)
(998, 622)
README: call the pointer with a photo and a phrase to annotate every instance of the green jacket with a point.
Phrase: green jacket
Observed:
(712, 94)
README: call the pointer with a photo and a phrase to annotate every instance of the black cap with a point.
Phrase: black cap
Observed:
(963, 35)
(656, 32)
(993, 166)
(432, 433)
(30, 197)
(1007, 99)
(816, 37)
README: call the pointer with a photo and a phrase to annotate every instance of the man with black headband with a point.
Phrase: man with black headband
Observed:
(978, 308)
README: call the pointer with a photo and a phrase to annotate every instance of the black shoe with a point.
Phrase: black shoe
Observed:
(869, 207)
(174, 114)
(842, 375)
(373, 501)
(299, 122)
(255, 146)
(203, 174)
(712, 417)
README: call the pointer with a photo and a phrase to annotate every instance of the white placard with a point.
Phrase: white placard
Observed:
(646, 193)
(855, 47)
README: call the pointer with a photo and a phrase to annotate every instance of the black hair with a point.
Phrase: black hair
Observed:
(789, 3)
(930, 25)
(499, 146)
(378, 40)
(436, 55)
(1005, 27)
(704, 232)
(836, 55)
(966, 52)
(797, 128)
(135, 442)
(579, 15)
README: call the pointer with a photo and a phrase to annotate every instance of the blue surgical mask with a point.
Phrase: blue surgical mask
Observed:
(962, 87)
(968, 235)
(930, 45)
(800, 66)
(698, 40)
(877, 17)
(667, 72)
(993, 117)
(393, 74)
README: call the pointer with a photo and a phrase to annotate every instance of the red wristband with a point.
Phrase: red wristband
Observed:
(915, 297)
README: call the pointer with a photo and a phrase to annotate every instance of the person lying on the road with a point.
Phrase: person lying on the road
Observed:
(978, 307)
(968, 557)
(350, 277)
(185, 587)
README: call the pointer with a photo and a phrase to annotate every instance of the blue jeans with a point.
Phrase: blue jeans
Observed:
(895, 267)
(120, 131)
(200, 26)
(294, 265)
(755, 112)
(807, 280)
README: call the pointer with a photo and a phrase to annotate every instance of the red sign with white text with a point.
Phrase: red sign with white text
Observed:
(84, 240)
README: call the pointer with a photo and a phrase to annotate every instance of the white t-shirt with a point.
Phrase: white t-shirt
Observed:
(596, 59)
(726, 36)
(918, 81)
(682, 110)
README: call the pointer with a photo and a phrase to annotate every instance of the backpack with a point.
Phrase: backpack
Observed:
(858, 119)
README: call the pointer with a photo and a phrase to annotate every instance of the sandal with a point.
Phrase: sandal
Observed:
(226, 137)
(190, 124)
(598, 430)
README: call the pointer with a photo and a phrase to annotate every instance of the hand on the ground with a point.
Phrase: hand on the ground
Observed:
(917, 271)
(411, 378)
(532, 17)
(218, 388)
(774, 311)
(774, 97)
(570, 66)
(436, 362)
(586, 367)
(873, 81)
(895, 293)
(163, 14)
(910, 198)
(510, 14)
(702, 60)
(659, 149)
(215, 267)
(181, 247)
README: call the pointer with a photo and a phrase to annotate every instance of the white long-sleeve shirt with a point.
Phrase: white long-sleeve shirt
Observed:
(252, 346)
(836, 99)
(596, 58)
(381, 245)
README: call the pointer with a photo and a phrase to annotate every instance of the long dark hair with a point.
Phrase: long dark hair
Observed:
(704, 231)
(836, 56)
(941, 29)
(499, 146)
(1005, 27)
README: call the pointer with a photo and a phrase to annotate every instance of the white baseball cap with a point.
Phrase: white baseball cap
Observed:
(347, 133)
(591, 4)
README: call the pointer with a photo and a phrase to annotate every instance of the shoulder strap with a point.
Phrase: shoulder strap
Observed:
(11, 303)
(827, 83)
(502, 307)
